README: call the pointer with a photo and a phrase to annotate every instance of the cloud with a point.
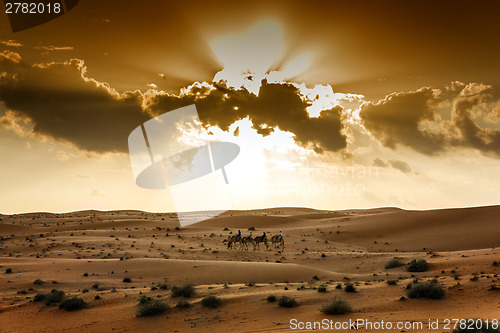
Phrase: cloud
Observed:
(277, 105)
(432, 121)
(379, 163)
(473, 136)
(395, 164)
(55, 48)
(395, 120)
(61, 102)
(11, 43)
(401, 166)
(9, 56)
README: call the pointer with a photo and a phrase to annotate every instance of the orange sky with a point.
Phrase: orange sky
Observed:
(364, 104)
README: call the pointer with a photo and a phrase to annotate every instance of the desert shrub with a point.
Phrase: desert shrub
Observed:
(392, 282)
(417, 265)
(163, 286)
(183, 305)
(271, 298)
(211, 301)
(97, 297)
(250, 283)
(251, 229)
(349, 287)
(338, 286)
(127, 280)
(475, 326)
(393, 263)
(38, 282)
(287, 302)
(151, 307)
(72, 304)
(322, 289)
(336, 307)
(186, 290)
(55, 296)
(8, 271)
(431, 290)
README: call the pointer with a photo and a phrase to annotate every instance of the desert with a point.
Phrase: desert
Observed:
(113, 259)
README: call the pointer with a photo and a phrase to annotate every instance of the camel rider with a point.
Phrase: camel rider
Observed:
(280, 235)
(264, 235)
(239, 234)
(250, 235)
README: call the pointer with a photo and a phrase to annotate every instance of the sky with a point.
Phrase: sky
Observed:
(335, 105)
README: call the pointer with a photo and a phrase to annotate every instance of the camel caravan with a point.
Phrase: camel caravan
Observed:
(241, 243)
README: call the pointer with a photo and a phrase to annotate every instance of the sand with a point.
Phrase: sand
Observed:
(89, 253)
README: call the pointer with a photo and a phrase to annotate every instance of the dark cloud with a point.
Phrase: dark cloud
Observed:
(416, 119)
(395, 164)
(379, 163)
(401, 166)
(473, 136)
(65, 104)
(395, 120)
(278, 105)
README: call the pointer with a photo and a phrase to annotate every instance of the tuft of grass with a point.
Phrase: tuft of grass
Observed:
(183, 305)
(349, 287)
(38, 282)
(127, 280)
(322, 289)
(475, 326)
(163, 286)
(250, 283)
(72, 304)
(393, 263)
(8, 271)
(97, 297)
(271, 298)
(151, 307)
(429, 289)
(392, 282)
(417, 265)
(336, 307)
(186, 290)
(211, 301)
(287, 302)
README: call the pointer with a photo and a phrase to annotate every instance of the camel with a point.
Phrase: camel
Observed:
(278, 241)
(232, 240)
(245, 241)
(257, 240)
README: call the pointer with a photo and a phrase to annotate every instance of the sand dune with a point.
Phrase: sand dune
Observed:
(90, 253)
